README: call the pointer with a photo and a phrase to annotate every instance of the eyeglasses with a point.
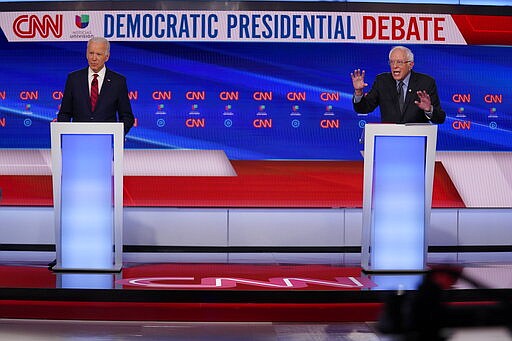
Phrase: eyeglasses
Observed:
(398, 62)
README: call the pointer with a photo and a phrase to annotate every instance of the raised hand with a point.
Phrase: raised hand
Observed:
(424, 103)
(358, 81)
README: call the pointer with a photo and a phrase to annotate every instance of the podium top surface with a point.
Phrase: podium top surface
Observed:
(409, 129)
(116, 128)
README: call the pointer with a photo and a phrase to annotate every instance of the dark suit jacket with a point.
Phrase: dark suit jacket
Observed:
(113, 104)
(384, 94)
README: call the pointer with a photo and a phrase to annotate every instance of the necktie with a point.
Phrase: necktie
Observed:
(401, 99)
(94, 91)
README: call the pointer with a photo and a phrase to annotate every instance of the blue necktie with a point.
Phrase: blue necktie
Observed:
(401, 99)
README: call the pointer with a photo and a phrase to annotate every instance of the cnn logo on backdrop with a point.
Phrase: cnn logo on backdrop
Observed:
(31, 25)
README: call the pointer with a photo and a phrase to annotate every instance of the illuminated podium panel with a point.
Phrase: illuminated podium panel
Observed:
(87, 170)
(397, 196)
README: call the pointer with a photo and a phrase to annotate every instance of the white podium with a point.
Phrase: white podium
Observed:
(397, 196)
(87, 168)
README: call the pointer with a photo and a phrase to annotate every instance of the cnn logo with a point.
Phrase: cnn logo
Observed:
(28, 26)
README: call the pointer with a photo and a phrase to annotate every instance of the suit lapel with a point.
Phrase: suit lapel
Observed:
(394, 90)
(105, 88)
(84, 86)
(411, 92)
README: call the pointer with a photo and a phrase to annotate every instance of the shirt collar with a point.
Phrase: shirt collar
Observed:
(101, 73)
(405, 80)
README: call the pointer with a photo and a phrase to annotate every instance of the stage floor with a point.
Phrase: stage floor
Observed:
(236, 292)
(197, 297)
(22, 330)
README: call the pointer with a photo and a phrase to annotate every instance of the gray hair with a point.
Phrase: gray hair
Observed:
(408, 52)
(100, 40)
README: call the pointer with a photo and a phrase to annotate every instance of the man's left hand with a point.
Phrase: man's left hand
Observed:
(424, 103)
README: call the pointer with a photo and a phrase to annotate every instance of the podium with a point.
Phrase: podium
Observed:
(397, 196)
(87, 169)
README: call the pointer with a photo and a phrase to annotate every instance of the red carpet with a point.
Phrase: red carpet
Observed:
(308, 184)
(244, 277)
(176, 276)
(35, 292)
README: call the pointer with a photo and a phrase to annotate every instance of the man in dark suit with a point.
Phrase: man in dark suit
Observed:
(105, 88)
(403, 96)
(95, 93)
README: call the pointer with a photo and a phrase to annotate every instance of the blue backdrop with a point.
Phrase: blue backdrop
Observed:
(257, 100)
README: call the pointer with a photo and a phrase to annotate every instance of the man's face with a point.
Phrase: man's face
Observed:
(97, 55)
(399, 64)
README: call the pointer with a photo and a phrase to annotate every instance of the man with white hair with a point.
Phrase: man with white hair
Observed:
(96, 93)
(403, 95)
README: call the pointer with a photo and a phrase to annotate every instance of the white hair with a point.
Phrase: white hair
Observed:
(408, 52)
(100, 40)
